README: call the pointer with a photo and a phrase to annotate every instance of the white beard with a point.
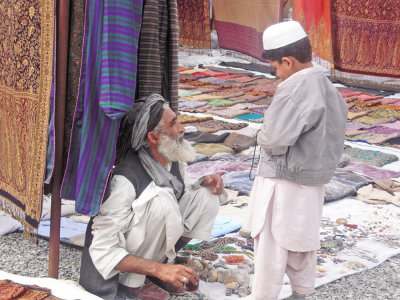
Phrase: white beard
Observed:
(173, 150)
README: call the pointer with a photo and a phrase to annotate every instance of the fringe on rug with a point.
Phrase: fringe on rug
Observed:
(358, 80)
(17, 213)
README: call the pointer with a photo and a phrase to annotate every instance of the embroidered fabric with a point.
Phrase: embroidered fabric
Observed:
(238, 181)
(200, 169)
(370, 157)
(370, 171)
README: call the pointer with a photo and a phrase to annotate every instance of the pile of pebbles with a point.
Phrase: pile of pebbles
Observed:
(22, 257)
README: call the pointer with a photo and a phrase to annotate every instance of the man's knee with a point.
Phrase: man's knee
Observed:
(211, 200)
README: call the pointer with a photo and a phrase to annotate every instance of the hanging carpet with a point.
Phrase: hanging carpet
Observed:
(194, 23)
(26, 66)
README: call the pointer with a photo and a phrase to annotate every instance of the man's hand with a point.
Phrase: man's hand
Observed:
(178, 275)
(214, 183)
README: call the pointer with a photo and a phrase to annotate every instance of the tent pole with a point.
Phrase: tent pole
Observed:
(282, 4)
(62, 23)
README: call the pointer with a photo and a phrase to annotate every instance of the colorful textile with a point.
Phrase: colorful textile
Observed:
(381, 138)
(373, 194)
(384, 113)
(267, 86)
(249, 98)
(158, 51)
(370, 171)
(350, 178)
(314, 16)
(240, 24)
(107, 92)
(204, 137)
(360, 137)
(224, 102)
(354, 132)
(353, 115)
(210, 149)
(198, 109)
(26, 74)
(374, 121)
(357, 108)
(248, 106)
(229, 113)
(209, 72)
(366, 97)
(75, 43)
(211, 126)
(228, 93)
(245, 79)
(367, 36)
(213, 80)
(394, 125)
(263, 101)
(194, 23)
(259, 110)
(200, 169)
(185, 118)
(395, 142)
(201, 97)
(383, 130)
(191, 104)
(348, 93)
(335, 190)
(354, 125)
(239, 142)
(238, 181)
(186, 93)
(12, 290)
(198, 158)
(390, 101)
(370, 157)
(249, 117)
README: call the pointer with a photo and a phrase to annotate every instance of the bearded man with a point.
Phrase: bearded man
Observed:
(151, 211)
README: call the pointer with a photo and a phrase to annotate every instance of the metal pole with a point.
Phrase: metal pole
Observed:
(62, 21)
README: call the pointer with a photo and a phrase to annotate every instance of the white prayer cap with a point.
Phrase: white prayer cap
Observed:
(282, 34)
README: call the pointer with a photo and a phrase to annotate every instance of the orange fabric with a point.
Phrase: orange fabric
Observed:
(314, 16)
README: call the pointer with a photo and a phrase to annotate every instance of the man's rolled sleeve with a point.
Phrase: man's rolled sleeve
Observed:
(108, 247)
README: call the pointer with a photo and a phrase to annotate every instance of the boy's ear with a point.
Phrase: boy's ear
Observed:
(286, 59)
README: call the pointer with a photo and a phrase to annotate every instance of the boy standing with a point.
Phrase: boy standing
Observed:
(301, 143)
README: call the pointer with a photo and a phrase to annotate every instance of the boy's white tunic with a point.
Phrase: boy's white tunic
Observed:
(296, 212)
(149, 226)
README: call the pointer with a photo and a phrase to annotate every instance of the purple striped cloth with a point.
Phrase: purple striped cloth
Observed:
(107, 92)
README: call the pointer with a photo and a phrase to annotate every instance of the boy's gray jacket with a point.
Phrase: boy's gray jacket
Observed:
(302, 136)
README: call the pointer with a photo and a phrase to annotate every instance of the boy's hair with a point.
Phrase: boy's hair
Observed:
(301, 50)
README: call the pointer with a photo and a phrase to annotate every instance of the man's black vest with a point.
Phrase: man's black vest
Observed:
(90, 278)
(132, 168)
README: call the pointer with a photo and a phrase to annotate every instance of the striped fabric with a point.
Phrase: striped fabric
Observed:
(107, 92)
(158, 51)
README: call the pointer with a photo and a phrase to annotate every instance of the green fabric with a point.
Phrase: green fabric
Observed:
(224, 102)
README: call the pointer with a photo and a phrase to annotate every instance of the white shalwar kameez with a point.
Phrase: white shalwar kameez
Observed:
(284, 219)
(149, 226)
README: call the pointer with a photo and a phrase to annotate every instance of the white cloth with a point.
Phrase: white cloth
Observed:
(272, 261)
(148, 226)
(296, 212)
